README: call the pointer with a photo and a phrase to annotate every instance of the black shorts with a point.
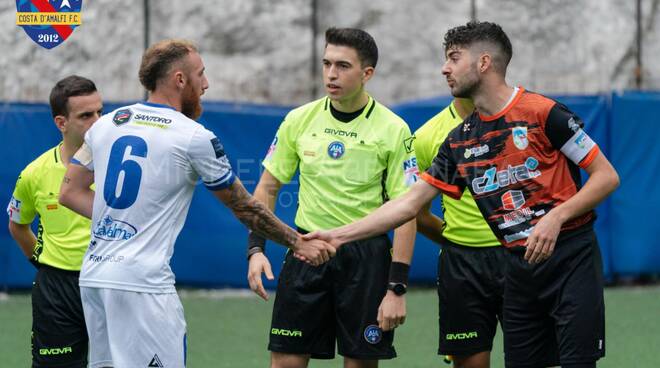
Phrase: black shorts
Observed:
(339, 300)
(554, 311)
(470, 291)
(59, 335)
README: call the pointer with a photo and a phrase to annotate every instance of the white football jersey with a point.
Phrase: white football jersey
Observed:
(146, 159)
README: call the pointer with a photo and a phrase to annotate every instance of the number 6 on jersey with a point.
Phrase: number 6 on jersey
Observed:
(131, 169)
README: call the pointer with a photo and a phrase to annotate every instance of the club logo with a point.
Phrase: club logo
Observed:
(122, 117)
(48, 22)
(373, 334)
(336, 149)
(520, 137)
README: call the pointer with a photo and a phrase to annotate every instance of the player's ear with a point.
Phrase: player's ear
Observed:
(485, 62)
(179, 79)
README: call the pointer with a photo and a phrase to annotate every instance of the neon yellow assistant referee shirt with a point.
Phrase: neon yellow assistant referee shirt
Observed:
(347, 170)
(63, 235)
(465, 223)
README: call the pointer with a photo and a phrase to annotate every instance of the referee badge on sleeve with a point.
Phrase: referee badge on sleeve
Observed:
(14, 209)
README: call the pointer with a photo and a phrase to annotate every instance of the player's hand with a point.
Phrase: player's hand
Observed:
(257, 265)
(313, 251)
(541, 243)
(325, 235)
(392, 311)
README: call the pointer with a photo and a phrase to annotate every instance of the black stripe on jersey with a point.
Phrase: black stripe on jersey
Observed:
(326, 103)
(383, 181)
(373, 104)
(452, 112)
(55, 153)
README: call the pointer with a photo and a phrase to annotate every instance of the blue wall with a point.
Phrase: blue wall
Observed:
(211, 248)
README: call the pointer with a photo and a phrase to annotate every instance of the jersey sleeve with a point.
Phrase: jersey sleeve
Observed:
(21, 208)
(83, 157)
(443, 173)
(565, 131)
(422, 150)
(282, 158)
(402, 171)
(208, 159)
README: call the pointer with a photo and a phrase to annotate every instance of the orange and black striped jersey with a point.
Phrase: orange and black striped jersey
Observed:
(519, 164)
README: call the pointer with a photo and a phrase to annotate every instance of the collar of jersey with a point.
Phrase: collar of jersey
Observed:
(505, 109)
(367, 111)
(162, 106)
(57, 155)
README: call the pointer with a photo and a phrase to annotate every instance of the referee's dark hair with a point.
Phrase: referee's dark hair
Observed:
(70, 86)
(482, 32)
(357, 39)
(159, 58)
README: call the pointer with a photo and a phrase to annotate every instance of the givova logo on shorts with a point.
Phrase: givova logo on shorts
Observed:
(56, 351)
(285, 332)
(462, 335)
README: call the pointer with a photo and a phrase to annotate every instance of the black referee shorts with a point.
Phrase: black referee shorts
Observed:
(59, 335)
(337, 301)
(554, 311)
(470, 292)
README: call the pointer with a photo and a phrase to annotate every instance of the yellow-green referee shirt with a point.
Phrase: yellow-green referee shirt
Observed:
(465, 223)
(347, 170)
(63, 235)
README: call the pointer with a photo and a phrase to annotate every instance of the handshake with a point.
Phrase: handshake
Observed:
(316, 247)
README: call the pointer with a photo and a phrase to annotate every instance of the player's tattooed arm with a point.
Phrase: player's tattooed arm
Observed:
(255, 215)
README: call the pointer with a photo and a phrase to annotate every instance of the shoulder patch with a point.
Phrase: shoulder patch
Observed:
(217, 147)
(408, 144)
(122, 117)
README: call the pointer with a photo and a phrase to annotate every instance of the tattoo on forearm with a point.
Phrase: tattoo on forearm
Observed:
(66, 180)
(258, 217)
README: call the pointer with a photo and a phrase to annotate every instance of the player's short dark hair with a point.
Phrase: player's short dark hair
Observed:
(357, 39)
(70, 86)
(487, 32)
(159, 58)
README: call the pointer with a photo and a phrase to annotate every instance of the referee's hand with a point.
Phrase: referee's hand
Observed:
(313, 251)
(257, 265)
(392, 311)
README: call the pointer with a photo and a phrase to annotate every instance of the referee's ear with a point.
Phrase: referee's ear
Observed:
(367, 73)
(60, 122)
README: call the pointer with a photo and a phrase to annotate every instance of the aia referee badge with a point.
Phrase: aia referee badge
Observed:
(520, 137)
(48, 22)
(373, 334)
(336, 149)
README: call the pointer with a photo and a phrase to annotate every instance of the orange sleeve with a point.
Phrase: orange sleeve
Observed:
(588, 159)
(453, 191)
